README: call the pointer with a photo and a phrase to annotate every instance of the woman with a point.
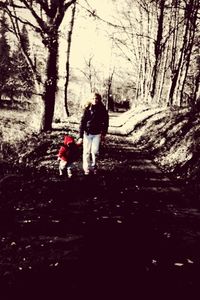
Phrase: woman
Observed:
(93, 128)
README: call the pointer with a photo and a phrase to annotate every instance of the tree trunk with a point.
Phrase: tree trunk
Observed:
(158, 49)
(176, 72)
(163, 74)
(185, 73)
(69, 40)
(138, 83)
(110, 103)
(174, 19)
(51, 83)
(188, 51)
(197, 88)
(191, 10)
(147, 57)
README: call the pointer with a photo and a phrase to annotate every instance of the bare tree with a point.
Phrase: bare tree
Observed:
(69, 41)
(158, 45)
(90, 73)
(46, 17)
(188, 52)
(109, 93)
(178, 77)
(197, 84)
(156, 39)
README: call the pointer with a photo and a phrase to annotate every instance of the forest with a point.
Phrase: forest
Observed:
(136, 54)
(153, 53)
(143, 57)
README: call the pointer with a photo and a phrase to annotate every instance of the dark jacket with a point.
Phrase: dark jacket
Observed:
(94, 120)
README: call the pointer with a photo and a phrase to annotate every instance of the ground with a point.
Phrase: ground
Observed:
(129, 232)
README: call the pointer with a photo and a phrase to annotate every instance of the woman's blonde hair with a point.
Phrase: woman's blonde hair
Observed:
(85, 103)
(88, 102)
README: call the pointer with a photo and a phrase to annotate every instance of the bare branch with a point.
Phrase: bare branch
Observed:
(93, 14)
(5, 4)
(39, 20)
(68, 4)
(14, 21)
(44, 6)
(60, 12)
(25, 22)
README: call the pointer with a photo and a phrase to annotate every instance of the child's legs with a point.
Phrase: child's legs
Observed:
(87, 142)
(69, 170)
(95, 148)
(62, 166)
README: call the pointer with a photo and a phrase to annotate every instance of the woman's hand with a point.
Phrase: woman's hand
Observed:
(80, 141)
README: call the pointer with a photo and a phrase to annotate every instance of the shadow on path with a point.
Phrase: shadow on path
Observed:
(127, 233)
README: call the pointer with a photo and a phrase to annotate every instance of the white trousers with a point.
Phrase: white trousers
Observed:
(91, 143)
(63, 165)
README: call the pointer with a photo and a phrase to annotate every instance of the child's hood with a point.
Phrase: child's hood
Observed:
(68, 139)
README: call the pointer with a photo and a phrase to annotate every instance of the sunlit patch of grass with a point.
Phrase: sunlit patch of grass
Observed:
(15, 128)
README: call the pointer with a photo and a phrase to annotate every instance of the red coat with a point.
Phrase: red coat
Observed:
(68, 151)
(63, 153)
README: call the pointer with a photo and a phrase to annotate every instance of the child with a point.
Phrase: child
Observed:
(67, 155)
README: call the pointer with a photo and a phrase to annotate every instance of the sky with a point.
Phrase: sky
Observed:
(89, 37)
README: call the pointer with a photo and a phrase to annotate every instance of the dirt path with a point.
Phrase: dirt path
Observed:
(128, 233)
